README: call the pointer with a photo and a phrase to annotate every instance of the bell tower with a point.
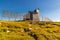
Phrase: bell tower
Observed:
(37, 10)
(33, 15)
(36, 14)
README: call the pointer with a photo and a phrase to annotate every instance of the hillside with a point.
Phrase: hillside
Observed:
(28, 30)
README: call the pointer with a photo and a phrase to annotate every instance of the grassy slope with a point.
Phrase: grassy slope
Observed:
(26, 31)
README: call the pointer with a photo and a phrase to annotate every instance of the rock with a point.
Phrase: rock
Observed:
(26, 29)
(7, 31)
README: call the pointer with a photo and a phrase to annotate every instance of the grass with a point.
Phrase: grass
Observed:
(28, 30)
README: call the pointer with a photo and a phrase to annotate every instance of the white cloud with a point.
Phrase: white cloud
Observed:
(54, 15)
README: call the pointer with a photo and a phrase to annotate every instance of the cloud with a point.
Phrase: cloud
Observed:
(54, 15)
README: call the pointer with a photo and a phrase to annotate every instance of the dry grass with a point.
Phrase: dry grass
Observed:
(26, 30)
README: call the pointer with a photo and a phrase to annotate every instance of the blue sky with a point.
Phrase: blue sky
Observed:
(48, 8)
